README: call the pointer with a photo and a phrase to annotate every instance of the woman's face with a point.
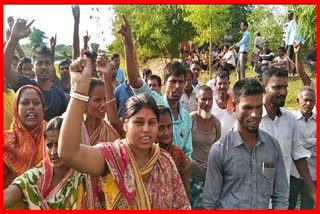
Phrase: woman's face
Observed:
(52, 138)
(96, 104)
(165, 129)
(30, 109)
(142, 129)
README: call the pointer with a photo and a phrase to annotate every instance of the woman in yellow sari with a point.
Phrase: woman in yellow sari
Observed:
(51, 186)
(136, 173)
(23, 142)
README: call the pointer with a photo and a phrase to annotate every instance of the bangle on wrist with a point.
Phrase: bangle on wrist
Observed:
(110, 101)
(79, 96)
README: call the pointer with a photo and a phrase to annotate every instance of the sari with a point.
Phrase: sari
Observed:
(179, 157)
(155, 186)
(21, 147)
(69, 193)
(103, 133)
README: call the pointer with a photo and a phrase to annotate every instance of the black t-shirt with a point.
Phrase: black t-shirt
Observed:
(55, 100)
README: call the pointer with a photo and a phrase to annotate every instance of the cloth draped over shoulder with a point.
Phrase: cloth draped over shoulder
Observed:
(103, 133)
(156, 186)
(22, 148)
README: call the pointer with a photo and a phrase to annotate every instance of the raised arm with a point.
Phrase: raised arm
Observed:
(12, 195)
(86, 159)
(52, 44)
(19, 31)
(106, 70)
(86, 39)
(306, 80)
(76, 44)
(131, 62)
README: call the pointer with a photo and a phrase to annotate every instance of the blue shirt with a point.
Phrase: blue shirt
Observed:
(122, 94)
(120, 76)
(244, 42)
(181, 126)
(293, 34)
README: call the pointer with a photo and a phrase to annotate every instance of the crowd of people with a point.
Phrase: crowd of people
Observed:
(99, 137)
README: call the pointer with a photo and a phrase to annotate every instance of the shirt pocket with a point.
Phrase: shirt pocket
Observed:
(266, 180)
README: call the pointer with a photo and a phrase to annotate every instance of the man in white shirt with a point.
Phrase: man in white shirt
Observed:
(228, 61)
(306, 120)
(282, 125)
(222, 107)
(257, 47)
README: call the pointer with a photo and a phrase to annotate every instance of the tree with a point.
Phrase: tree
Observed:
(268, 21)
(94, 47)
(156, 29)
(37, 36)
(307, 21)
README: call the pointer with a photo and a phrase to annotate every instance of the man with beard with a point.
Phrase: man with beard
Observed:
(174, 79)
(281, 124)
(55, 100)
(246, 168)
(222, 102)
(116, 60)
(206, 130)
(64, 83)
(306, 120)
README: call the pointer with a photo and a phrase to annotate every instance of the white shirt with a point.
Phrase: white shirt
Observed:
(308, 138)
(285, 130)
(226, 119)
(231, 61)
(259, 42)
(189, 103)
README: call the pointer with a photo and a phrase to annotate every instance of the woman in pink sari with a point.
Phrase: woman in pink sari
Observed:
(136, 173)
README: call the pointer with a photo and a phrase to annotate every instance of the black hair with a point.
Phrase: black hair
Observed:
(195, 62)
(164, 109)
(155, 77)
(270, 72)
(22, 61)
(115, 55)
(246, 87)
(41, 50)
(94, 83)
(245, 23)
(135, 103)
(283, 49)
(146, 72)
(174, 69)
(188, 71)
(54, 124)
(222, 73)
(64, 62)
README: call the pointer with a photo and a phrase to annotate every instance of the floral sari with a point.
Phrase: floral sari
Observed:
(22, 148)
(69, 193)
(156, 186)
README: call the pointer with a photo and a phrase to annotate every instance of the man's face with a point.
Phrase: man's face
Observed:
(306, 102)
(243, 27)
(205, 100)
(281, 53)
(276, 91)
(188, 80)
(64, 71)
(195, 70)
(249, 112)
(43, 67)
(116, 61)
(222, 85)
(153, 85)
(175, 87)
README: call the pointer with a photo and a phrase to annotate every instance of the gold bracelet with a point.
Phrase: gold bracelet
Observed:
(110, 101)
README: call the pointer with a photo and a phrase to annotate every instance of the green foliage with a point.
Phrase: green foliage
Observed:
(156, 29)
(94, 47)
(37, 36)
(263, 19)
(64, 50)
(307, 21)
